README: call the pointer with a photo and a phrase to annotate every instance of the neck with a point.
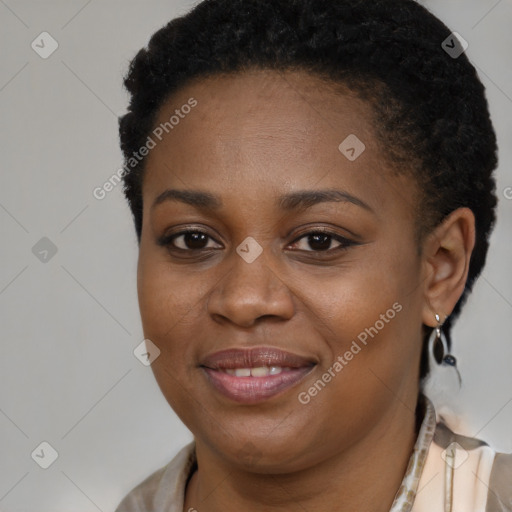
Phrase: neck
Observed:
(364, 477)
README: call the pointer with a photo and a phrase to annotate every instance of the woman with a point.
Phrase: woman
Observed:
(311, 185)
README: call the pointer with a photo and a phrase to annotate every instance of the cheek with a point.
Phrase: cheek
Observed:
(368, 320)
(368, 311)
(171, 304)
(358, 292)
(171, 309)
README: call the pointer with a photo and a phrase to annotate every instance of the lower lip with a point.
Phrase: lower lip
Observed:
(250, 390)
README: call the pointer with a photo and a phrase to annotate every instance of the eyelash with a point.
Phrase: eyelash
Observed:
(167, 240)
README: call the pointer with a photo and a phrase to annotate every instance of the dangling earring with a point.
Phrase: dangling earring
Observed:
(438, 347)
(442, 383)
(439, 360)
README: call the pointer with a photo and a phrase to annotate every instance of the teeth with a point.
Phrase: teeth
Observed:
(261, 371)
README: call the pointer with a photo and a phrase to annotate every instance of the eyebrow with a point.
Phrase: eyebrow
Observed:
(301, 199)
(202, 200)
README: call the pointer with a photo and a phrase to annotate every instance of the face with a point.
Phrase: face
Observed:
(298, 258)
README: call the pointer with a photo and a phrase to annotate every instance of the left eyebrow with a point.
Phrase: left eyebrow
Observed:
(303, 199)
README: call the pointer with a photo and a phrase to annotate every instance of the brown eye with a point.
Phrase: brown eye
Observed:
(193, 240)
(321, 241)
(187, 241)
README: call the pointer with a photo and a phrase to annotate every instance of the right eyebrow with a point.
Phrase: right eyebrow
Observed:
(199, 199)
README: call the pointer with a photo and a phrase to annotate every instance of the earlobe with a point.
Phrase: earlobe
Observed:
(446, 256)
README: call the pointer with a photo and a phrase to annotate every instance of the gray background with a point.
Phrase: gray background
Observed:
(70, 324)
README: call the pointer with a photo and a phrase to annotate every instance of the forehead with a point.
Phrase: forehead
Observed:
(286, 108)
(263, 130)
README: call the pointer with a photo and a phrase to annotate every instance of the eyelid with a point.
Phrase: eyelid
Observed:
(319, 229)
(329, 229)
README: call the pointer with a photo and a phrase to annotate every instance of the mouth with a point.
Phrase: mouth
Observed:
(255, 375)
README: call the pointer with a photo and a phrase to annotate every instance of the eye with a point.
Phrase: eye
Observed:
(321, 241)
(190, 240)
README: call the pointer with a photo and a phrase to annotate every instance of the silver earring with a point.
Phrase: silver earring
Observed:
(438, 346)
(442, 383)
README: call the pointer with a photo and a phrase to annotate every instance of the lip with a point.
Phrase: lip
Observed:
(254, 357)
(251, 390)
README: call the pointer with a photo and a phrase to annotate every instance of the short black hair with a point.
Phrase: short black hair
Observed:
(431, 111)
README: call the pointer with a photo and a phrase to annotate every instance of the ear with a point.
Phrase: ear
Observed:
(445, 258)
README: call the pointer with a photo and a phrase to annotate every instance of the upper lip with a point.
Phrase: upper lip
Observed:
(254, 358)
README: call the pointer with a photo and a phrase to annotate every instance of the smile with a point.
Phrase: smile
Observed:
(261, 371)
(254, 375)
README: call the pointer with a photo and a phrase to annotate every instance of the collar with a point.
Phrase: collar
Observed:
(406, 494)
(171, 495)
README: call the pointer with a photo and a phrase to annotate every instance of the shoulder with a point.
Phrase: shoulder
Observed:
(140, 498)
(166, 484)
(473, 459)
(500, 484)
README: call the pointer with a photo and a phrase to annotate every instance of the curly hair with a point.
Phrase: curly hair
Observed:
(431, 112)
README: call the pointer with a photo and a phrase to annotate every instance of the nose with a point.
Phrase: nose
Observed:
(250, 292)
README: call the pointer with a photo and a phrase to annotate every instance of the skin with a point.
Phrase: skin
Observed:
(252, 138)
